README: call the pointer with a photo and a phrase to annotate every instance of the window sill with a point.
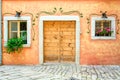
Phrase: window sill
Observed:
(103, 37)
(25, 45)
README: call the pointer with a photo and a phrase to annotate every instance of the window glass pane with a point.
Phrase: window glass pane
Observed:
(98, 25)
(13, 26)
(23, 35)
(23, 26)
(23, 31)
(107, 23)
(13, 34)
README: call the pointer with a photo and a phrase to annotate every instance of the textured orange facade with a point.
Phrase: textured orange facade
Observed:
(91, 51)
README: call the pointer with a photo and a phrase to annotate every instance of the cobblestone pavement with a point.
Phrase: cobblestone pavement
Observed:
(60, 72)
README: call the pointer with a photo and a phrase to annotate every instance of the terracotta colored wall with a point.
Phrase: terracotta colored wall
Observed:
(91, 51)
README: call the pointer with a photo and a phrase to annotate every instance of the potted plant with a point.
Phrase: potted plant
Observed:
(14, 45)
(105, 32)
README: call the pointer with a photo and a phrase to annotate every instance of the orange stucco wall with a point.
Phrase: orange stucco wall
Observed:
(91, 51)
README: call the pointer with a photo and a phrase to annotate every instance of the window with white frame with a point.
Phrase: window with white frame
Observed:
(15, 27)
(103, 28)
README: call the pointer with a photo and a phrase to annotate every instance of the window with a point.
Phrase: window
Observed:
(103, 28)
(17, 27)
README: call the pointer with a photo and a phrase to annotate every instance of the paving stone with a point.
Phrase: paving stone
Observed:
(60, 72)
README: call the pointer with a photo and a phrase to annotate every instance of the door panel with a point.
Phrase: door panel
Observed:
(59, 41)
(67, 37)
(51, 42)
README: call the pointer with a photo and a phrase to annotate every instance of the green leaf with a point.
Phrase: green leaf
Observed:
(14, 44)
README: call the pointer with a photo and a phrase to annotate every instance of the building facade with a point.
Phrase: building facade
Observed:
(58, 31)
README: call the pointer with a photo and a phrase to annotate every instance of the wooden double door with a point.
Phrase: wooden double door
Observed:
(59, 41)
